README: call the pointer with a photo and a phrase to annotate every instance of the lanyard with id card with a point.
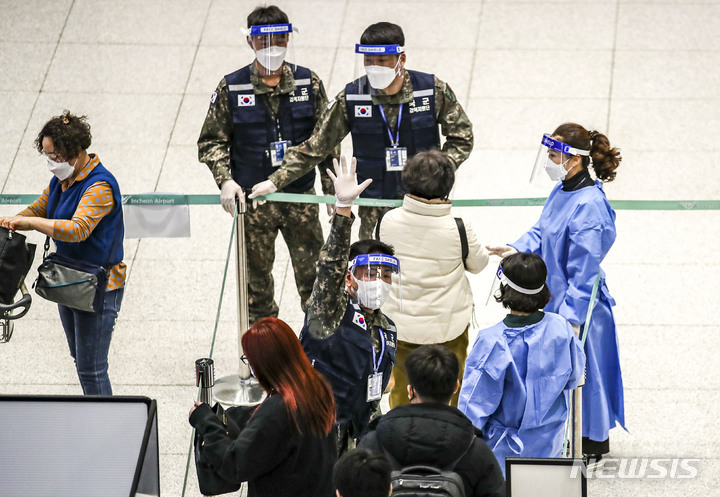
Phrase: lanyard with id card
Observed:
(277, 152)
(395, 156)
(375, 380)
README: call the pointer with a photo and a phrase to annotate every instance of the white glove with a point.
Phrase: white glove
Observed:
(263, 188)
(501, 250)
(345, 181)
(229, 191)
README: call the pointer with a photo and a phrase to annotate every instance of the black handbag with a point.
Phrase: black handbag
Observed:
(72, 283)
(16, 258)
(209, 481)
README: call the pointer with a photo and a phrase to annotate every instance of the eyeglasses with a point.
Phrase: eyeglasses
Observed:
(53, 157)
(244, 359)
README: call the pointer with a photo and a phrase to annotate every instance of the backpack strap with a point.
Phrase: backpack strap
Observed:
(463, 239)
(377, 226)
(395, 464)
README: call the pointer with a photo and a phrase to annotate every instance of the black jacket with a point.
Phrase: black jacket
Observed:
(270, 453)
(436, 435)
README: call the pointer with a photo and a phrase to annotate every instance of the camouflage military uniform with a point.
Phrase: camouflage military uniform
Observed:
(334, 126)
(298, 223)
(329, 300)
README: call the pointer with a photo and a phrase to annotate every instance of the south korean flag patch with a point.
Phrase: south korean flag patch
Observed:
(363, 111)
(359, 320)
(246, 100)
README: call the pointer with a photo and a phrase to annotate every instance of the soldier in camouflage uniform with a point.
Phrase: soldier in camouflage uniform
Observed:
(253, 109)
(427, 102)
(346, 336)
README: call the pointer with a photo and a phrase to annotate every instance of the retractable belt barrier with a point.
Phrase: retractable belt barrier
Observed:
(206, 199)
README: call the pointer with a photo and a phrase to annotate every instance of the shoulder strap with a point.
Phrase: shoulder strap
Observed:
(395, 464)
(463, 239)
(451, 466)
(377, 226)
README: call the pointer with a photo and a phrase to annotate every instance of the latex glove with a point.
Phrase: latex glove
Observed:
(345, 182)
(229, 191)
(501, 250)
(262, 188)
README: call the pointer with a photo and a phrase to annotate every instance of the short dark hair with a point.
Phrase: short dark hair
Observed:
(69, 133)
(370, 246)
(362, 473)
(528, 271)
(429, 175)
(267, 14)
(432, 372)
(383, 33)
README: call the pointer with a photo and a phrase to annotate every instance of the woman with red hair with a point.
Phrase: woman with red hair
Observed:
(288, 445)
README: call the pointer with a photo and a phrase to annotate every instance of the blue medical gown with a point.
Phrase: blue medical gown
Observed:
(516, 386)
(574, 233)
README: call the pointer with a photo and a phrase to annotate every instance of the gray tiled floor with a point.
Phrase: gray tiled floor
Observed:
(645, 72)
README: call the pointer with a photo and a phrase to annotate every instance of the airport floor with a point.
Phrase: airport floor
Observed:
(646, 73)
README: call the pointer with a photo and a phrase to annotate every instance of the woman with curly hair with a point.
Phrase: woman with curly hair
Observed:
(81, 210)
(573, 235)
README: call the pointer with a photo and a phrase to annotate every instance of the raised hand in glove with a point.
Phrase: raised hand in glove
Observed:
(345, 182)
(229, 191)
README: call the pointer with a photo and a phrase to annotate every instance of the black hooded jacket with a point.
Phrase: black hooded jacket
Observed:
(436, 435)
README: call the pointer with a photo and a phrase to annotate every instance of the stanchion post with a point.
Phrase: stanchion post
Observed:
(576, 403)
(242, 278)
(241, 389)
(205, 379)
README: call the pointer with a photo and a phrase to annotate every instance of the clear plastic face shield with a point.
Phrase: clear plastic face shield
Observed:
(374, 275)
(271, 46)
(382, 64)
(501, 280)
(553, 162)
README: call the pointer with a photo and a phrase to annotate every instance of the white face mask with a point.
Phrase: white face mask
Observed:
(372, 294)
(61, 170)
(271, 58)
(557, 172)
(380, 77)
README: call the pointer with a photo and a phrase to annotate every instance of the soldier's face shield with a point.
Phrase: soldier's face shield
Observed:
(553, 161)
(374, 275)
(272, 45)
(382, 64)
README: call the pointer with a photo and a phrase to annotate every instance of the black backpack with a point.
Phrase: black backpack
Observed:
(426, 481)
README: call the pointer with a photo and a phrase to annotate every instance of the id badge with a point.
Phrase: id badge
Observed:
(374, 388)
(395, 158)
(277, 152)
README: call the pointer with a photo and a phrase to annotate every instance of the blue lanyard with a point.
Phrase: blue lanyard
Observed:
(395, 142)
(376, 361)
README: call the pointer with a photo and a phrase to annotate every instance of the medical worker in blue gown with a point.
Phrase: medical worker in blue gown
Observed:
(519, 373)
(573, 235)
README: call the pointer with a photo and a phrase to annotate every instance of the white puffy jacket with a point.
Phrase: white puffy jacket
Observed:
(437, 301)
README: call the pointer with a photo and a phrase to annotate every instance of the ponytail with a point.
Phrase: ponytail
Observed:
(605, 159)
